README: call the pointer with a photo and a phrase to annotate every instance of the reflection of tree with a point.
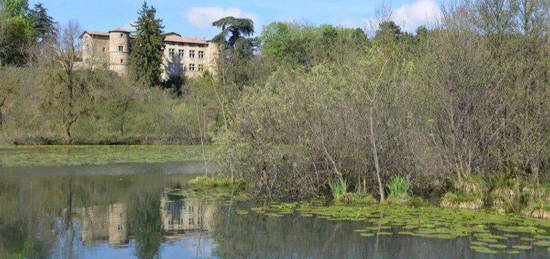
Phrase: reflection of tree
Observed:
(145, 222)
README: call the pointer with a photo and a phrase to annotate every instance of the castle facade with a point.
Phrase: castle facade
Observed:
(182, 55)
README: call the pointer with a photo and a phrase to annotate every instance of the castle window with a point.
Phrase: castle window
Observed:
(171, 68)
(201, 54)
(191, 68)
(191, 221)
(181, 53)
(171, 52)
(104, 49)
(121, 61)
(121, 35)
(201, 67)
(192, 54)
(121, 48)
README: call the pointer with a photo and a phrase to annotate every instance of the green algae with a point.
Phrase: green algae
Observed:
(521, 247)
(74, 155)
(542, 243)
(485, 228)
(497, 246)
(483, 249)
(242, 212)
(405, 233)
(478, 243)
(513, 252)
(366, 234)
(526, 239)
(488, 240)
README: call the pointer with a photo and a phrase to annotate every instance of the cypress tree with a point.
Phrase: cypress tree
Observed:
(147, 47)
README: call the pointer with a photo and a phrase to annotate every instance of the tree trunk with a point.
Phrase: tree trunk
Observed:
(375, 155)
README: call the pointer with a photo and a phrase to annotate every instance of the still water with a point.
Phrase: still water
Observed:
(87, 213)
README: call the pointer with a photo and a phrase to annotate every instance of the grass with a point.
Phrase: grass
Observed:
(338, 189)
(23, 156)
(213, 182)
(398, 187)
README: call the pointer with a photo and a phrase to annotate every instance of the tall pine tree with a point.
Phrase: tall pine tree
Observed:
(43, 24)
(147, 47)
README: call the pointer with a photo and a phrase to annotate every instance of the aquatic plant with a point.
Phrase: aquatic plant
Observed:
(338, 188)
(398, 187)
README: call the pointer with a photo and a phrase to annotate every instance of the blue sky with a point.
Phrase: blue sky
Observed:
(193, 17)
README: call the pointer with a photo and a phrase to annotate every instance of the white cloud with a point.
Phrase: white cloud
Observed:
(203, 17)
(421, 12)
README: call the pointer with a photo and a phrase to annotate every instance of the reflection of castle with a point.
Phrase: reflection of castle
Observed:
(105, 223)
(180, 217)
(185, 216)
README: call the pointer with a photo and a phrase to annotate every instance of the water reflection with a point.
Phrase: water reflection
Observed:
(101, 216)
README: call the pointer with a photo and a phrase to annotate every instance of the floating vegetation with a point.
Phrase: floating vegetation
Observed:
(513, 252)
(19, 156)
(521, 247)
(542, 243)
(478, 243)
(242, 212)
(483, 249)
(487, 230)
(497, 246)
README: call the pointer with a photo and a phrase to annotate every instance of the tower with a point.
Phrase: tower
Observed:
(119, 47)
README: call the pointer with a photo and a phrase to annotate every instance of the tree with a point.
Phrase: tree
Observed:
(148, 47)
(69, 94)
(237, 27)
(388, 31)
(43, 25)
(16, 31)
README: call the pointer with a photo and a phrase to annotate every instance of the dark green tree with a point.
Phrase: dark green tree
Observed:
(388, 31)
(43, 25)
(147, 47)
(234, 28)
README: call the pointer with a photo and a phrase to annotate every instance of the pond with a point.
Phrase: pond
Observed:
(147, 210)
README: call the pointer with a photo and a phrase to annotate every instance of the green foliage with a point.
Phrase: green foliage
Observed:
(338, 189)
(15, 41)
(213, 182)
(294, 44)
(20, 28)
(147, 48)
(43, 25)
(234, 28)
(398, 187)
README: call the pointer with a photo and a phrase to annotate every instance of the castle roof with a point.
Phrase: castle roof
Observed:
(119, 29)
(96, 33)
(174, 37)
(168, 37)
